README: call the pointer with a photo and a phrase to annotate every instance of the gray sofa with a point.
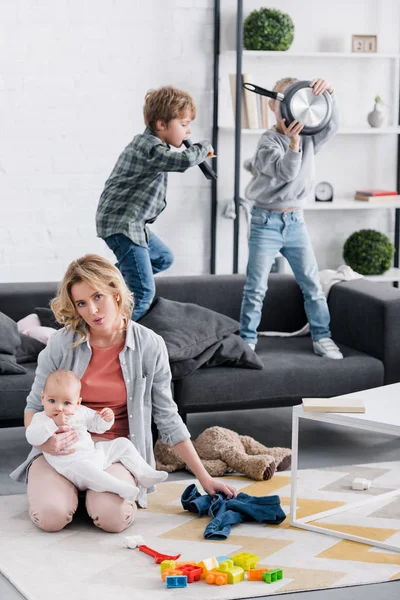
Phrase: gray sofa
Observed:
(365, 320)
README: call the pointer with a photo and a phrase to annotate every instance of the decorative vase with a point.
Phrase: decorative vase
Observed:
(376, 116)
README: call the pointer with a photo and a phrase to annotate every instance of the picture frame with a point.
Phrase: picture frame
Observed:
(364, 43)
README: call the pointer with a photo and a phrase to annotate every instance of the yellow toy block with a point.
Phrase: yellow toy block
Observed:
(256, 574)
(245, 560)
(216, 577)
(235, 574)
(167, 564)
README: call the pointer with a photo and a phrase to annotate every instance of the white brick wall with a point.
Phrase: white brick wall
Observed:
(73, 75)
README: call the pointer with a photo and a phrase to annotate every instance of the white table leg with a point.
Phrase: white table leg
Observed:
(293, 475)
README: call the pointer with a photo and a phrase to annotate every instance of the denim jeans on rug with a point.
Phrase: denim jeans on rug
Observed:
(286, 232)
(138, 264)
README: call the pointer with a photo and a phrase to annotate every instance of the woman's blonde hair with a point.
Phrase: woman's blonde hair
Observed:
(165, 104)
(103, 276)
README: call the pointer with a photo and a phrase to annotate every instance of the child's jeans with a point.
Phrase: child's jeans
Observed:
(286, 232)
(138, 265)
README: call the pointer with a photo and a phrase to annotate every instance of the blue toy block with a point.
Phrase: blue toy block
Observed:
(176, 581)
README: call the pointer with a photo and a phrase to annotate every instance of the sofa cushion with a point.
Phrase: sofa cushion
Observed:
(46, 317)
(9, 344)
(291, 372)
(187, 329)
(29, 349)
(14, 390)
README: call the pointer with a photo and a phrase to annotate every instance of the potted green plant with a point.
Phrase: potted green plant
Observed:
(368, 252)
(268, 29)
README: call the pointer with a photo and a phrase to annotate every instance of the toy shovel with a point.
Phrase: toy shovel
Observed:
(157, 555)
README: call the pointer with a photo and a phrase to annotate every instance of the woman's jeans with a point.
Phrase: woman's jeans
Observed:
(138, 264)
(286, 232)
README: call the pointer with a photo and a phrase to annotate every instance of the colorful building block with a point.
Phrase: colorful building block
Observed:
(256, 574)
(217, 578)
(245, 560)
(208, 564)
(169, 573)
(192, 572)
(221, 559)
(179, 581)
(235, 574)
(273, 575)
(167, 564)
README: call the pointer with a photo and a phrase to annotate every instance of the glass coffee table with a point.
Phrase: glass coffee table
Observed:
(382, 415)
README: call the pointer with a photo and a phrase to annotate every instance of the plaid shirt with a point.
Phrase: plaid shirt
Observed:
(134, 194)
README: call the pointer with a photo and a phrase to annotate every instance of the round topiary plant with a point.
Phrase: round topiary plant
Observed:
(268, 29)
(368, 252)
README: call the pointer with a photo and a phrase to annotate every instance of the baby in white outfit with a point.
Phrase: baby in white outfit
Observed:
(85, 467)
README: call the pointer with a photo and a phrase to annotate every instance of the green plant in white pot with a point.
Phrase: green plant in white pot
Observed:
(268, 29)
(368, 252)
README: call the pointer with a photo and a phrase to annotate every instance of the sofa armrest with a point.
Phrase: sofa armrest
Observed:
(366, 316)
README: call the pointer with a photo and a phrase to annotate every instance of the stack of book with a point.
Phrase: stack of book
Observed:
(254, 106)
(376, 195)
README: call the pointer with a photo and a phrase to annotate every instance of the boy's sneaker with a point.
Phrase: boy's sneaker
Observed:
(327, 348)
(252, 346)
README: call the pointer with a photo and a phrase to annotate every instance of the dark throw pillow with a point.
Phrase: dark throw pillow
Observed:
(46, 317)
(29, 349)
(198, 337)
(9, 344)
(187, 329)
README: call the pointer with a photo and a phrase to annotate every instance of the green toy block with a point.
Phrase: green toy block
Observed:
(272, 575)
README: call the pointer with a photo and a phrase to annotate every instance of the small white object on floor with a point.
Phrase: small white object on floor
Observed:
(133, 541)
(359, 483)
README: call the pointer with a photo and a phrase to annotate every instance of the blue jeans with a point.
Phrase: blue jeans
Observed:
(138, 264)
(286, 232)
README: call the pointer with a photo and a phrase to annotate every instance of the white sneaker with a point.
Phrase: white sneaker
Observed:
(327, 348)
(252, 346)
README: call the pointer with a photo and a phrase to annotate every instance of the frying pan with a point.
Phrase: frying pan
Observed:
(206, 169)
(298, 103)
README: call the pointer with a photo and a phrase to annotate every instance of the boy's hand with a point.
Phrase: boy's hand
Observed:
(211, 153)
(61, 420)
(107, 414)
(293, 132)
(320, 85)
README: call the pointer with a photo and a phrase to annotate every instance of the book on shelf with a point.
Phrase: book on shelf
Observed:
(377, 192)
(341, 405)
(254, 107)
(377, 199)
(245, 122)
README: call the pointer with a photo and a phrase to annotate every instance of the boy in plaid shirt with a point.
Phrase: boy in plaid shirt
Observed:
(134, 194)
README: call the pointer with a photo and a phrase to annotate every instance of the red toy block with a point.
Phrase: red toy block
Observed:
(192, 572)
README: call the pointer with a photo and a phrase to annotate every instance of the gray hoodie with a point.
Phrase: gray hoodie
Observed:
(283, 178)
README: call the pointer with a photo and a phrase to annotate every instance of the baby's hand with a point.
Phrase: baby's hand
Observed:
(320, 85)
(211, 153)
(107, 414)
(61, 420)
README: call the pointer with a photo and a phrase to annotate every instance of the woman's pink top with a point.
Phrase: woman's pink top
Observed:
(103, 386)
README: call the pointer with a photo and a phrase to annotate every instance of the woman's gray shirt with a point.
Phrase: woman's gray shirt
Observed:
(145, 368)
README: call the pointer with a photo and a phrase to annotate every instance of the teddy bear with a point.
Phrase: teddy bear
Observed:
(225, 451)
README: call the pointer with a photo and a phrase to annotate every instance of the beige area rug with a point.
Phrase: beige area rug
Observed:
(84, 563)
